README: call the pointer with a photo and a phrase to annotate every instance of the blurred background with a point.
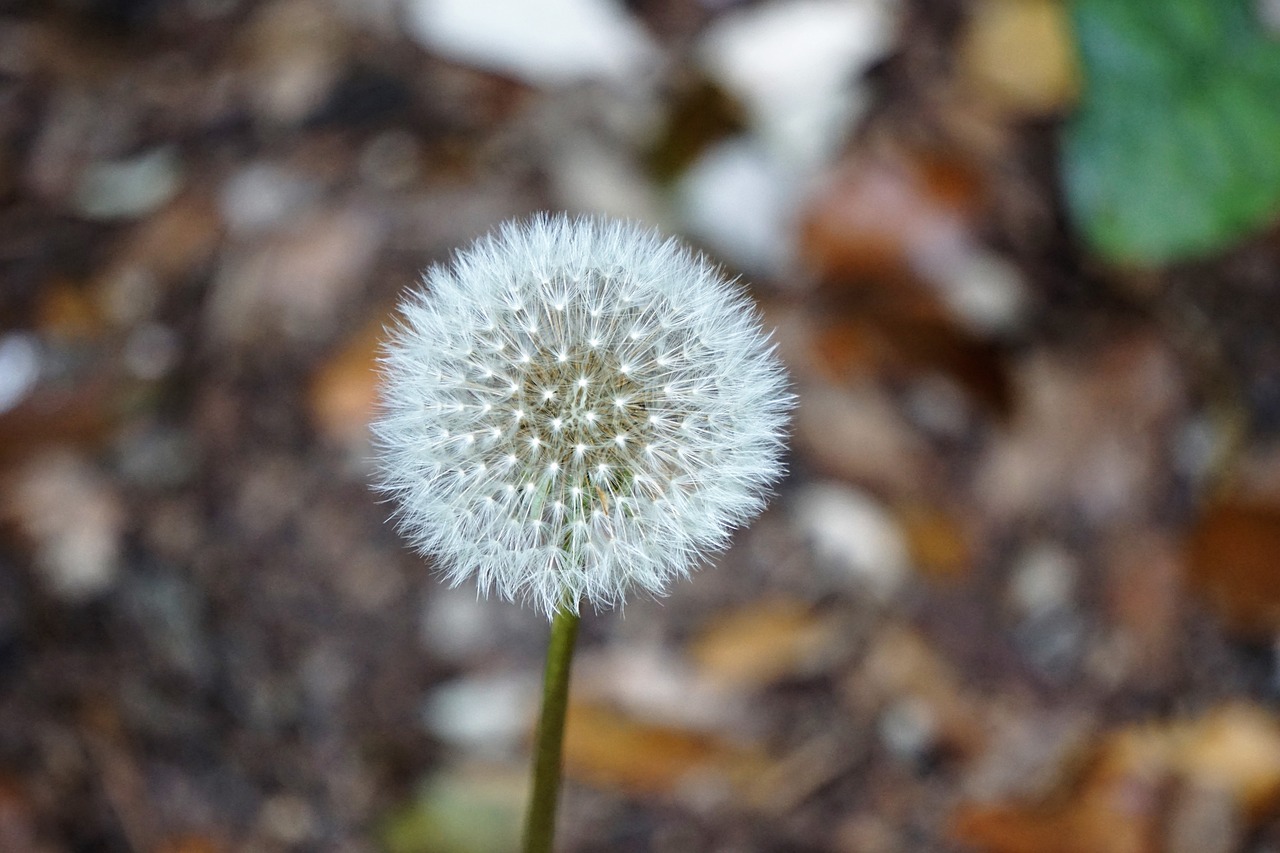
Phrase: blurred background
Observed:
(1019, 593)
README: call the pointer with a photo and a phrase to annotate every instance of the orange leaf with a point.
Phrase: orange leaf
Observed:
(1235, 561)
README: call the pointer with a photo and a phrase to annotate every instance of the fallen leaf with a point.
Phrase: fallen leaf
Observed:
(851, 344)
(1082, 431)
(175, 241)
(763, 643)
(343, 395)
(1145, 591)
(17, 818)
(939, 545)
(903, 286)
(858, 435)
(190, 844)
(82, 415)
(877, 214)
(608, 749)
(1134, 779)
(68, 312)
(1019, 56)
(296, 281)
(1235, 749)
(903, 670)
(1233, 562)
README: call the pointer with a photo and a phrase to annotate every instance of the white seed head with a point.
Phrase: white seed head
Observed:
(620, 410)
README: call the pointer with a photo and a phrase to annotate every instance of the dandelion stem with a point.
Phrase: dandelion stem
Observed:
(540, 822)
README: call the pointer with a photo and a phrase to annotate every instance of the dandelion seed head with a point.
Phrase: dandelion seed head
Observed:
(621, 408)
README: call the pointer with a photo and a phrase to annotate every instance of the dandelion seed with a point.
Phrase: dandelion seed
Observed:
(586, 491)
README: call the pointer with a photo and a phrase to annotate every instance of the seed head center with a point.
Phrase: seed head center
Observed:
(585, 400)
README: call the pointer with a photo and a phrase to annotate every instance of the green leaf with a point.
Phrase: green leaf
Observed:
(1174, 151)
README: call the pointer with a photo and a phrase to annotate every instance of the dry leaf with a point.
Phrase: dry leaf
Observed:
(902, 670)
(1019, 55)
(1138, 777)
(877, 214)
(859, 435)
(764, 642)
(190, 844)
(1235, 562)
(344, 392)
(605, 748)
(940, 547)
(67, 312)
(1082, 432)
(902, 280)
(18, 831)
(1144, 600)
(176, 240)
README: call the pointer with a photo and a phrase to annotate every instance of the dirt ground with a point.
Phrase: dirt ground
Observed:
(1017, 594)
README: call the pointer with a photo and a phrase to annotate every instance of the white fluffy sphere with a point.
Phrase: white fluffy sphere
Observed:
(575, 408)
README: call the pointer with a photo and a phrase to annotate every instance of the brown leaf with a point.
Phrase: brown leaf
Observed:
(876, 214)
(884, 239)
(1018, 55)
(1235, 749)
(67, 312)
(860, 436)
(1137, 776)
(902, 666)
(940, 547)
(605, 748)
(344, 391)
(82, 415)
(764, 642)
(1144, 598)
(176, 240)
(17, 818)
(1234, 553)
(1082, 433)
(190, 844)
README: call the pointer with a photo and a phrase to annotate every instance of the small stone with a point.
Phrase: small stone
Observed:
(73, 519)
(908, 729)
(589, 38)
(287, 818)
(391, 160)
(853, 533)
(155, 456)
(1043, 579)
(487, 714)
(738, 199)
(167, 611)
(458, 625)
(294, 51)
(19, 368)
(151, 351)
(124, 189)
(795, 66)
(262, 195)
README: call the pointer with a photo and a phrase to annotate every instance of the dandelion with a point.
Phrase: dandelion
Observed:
(575, 409)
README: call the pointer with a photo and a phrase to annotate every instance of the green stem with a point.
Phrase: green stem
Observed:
(540, 821)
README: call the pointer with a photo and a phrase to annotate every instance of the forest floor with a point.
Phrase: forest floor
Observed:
(1018, 592)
